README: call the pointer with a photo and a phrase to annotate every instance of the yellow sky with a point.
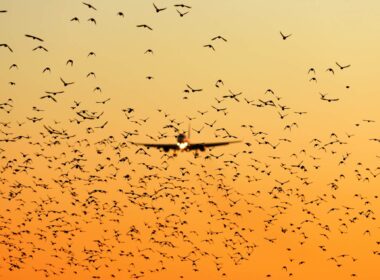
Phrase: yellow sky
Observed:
(281, 205)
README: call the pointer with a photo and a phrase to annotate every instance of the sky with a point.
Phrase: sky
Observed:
(297, 198)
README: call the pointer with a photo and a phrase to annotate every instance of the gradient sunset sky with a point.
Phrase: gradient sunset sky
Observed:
(297, 198)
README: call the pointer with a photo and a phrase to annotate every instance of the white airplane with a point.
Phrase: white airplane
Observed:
(184, 144)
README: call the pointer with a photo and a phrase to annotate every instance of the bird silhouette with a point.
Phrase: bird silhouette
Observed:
(75, 19)
(209, 46)
(144, 26)
(65, 84)
(342, 67)
(40, 48)
(158, 9)
(181, 14)
(284, 37)
(6, 46)
(90, 6)
(34, 37)
(219, 38)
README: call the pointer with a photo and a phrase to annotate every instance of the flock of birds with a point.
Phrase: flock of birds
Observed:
(77, 201)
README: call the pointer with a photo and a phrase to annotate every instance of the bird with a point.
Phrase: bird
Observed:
(34, 37)
(6, 46)
(54, 92)
(284, 37)
(144, 26)
(93, 20)
(219, 38)
(182, 14)
(209, 46)
(342, 67)
(313, 79)
(89, 6)
(65, 84)
(49, 97)
(70, 61)
(75, 19)
(97, 89)
(218, 83)
(182, 6)
(104, 101)
(40, 48)
(158, 9)
(91, 74)
(193, 89)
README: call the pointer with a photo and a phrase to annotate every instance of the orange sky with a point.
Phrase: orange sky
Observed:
(296, 199)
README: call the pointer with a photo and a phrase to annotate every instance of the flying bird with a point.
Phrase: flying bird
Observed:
(89, 6)
(6, 46)
(65, 84)
(220, 38)
(70, 61)
(75, 19)
(34, 37)
(93, 20)
(158, 9)
(284, 37)
(342, 67)
(144, 26)
(182, 6)
(209, 46)
(193, 89)
(311, 70)
(40, 48)
(181, 14)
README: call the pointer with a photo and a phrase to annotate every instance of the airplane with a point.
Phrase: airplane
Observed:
(184, 144)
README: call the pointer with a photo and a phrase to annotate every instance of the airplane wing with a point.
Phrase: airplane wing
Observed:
(165, 147)
(202, 146)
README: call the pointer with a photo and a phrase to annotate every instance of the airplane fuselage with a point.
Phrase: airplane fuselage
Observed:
(182, 141)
